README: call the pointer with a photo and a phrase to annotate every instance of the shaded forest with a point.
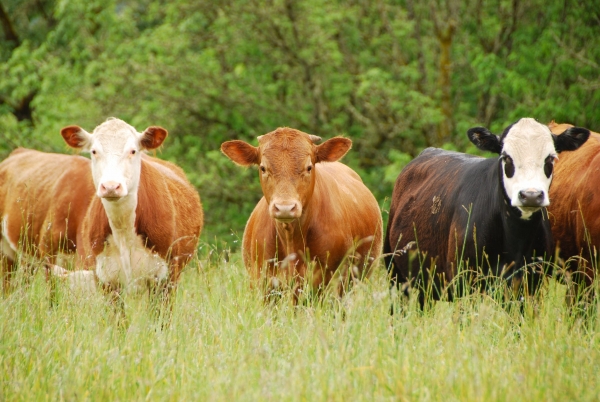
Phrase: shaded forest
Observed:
(394, 76)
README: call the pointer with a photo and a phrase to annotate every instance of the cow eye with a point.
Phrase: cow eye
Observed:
(549, 165)
(309, 168)
(132, 152)
(509, 166)
(263, 169)
(93, 152)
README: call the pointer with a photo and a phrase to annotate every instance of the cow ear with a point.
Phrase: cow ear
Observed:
(240, 152)
(153, 137)
(333, 149)
(571, 139)
(485, 140)
(76, 137)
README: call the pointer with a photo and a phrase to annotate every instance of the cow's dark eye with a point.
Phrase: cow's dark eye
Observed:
(263, 169)
(509, 166)
(93, 152)
(309, 168)
(132, 152)
(549, 166)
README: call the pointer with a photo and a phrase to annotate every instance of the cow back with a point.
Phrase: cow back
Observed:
(43, 200)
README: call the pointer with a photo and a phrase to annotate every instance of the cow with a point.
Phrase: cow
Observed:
(464, 212)
(575, 211)
(43, 201)
(316, 216)
(133, 220)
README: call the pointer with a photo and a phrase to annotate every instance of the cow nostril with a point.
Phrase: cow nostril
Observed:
(531, 198)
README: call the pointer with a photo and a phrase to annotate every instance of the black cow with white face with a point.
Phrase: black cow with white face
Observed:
(488, 213)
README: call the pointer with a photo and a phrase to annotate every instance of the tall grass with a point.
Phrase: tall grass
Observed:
(226, 343)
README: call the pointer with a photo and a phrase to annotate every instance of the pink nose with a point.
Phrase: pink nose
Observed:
(111, 189)
(286, 211)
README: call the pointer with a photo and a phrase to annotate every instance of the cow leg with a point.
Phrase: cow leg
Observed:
(7, 261)
(7, 269)
(580, 290)
(162, 300)
(113, 293)
(162, 295)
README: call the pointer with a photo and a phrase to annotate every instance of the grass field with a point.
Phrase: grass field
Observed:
(224, 343)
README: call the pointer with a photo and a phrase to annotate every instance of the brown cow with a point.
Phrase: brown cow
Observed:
(133, 219)
(43, 201)
(575, 210)
(314, 210)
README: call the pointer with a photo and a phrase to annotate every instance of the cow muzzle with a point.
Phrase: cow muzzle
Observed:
(286, 212)
(111, 190)
(532, 198)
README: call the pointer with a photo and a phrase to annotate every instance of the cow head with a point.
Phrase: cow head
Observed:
(115, 147)
(286, 160)
(527, 152)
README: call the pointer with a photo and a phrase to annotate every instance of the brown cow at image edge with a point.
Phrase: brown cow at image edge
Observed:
(575, 209)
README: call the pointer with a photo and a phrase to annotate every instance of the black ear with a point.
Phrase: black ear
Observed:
(571, 139)
(485, 140)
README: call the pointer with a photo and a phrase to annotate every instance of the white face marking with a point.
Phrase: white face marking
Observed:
(527, 147)
(116, 159)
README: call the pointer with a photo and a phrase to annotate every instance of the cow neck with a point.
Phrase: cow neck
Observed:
(518, 232)
(293, 234)
(121, 218)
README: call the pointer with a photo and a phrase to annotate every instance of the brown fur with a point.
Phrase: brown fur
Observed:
(168, 216)
(45, 197)
(575, 205)
(340, 223)
(53, 196)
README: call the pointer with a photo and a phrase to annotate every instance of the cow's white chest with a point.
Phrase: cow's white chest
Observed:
(131, 265)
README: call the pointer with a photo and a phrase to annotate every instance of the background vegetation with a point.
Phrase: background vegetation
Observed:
(394, 75)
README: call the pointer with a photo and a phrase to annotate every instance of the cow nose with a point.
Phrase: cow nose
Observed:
(285, 211)
(111, 189)
(531, 198)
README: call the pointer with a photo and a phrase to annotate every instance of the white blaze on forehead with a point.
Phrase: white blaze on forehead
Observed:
(114, 135)
(112, 144)
(528, 143)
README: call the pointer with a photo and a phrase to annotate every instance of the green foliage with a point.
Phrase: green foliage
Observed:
(214, 71)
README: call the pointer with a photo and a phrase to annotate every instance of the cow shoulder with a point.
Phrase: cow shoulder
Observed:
(259, 239)
(96, 228)
(169, 213)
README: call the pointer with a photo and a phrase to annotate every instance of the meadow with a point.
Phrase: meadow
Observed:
(225, 343)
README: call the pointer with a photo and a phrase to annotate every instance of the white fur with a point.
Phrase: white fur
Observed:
(528, 143)
(125, 261)
(110, 146)
(7, 248)
(132, 267)
(81, 282)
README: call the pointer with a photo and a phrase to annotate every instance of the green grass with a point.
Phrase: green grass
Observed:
(225, 343)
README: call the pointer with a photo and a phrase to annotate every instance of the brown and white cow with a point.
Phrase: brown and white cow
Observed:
(133, 219)
(314, 210)
(575, 207)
